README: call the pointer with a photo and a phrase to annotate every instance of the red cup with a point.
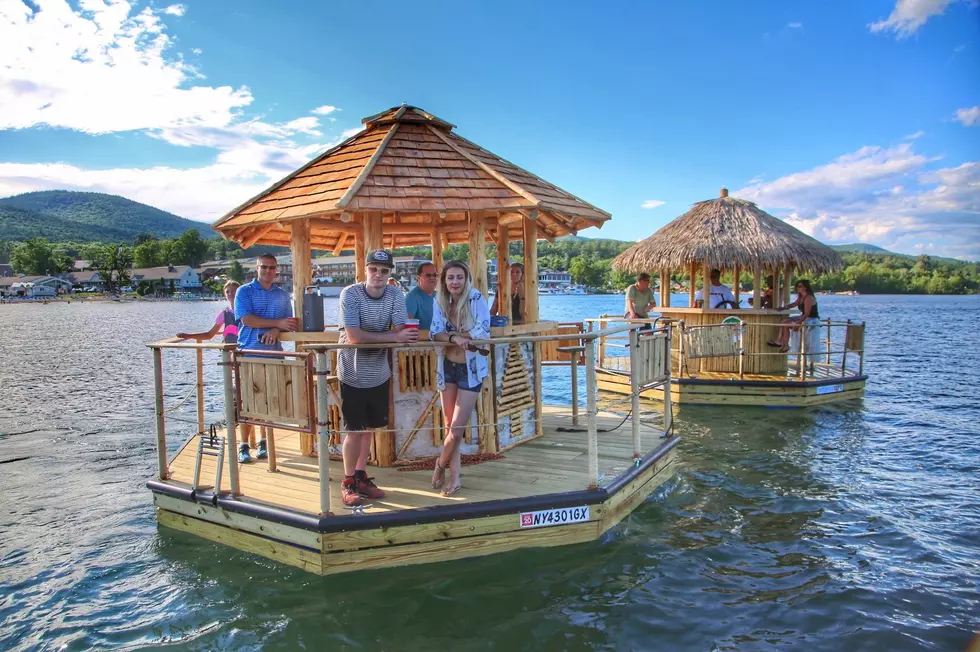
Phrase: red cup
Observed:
(412, 323)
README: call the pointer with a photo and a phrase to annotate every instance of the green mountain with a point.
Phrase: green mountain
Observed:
(862, 248)
(64, 215)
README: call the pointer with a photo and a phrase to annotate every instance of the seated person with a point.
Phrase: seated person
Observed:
(719, 293)
(765, 299)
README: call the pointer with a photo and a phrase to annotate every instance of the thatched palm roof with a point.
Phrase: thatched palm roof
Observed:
(408, 166)
(724, 232)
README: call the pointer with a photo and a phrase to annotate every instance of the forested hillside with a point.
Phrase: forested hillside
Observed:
(64, 215)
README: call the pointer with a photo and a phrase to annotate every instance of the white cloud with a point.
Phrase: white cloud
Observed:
(794, 25)
(352, 131)
(652, 203)
(326, 109)
(915, 136)
(909, 15)
(102, 69)
(175, 10)
(883, 196)
(969, 117)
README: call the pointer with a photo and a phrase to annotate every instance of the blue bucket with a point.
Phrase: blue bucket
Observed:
(498, 321)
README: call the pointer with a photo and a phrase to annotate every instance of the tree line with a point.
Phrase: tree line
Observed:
(589, 262)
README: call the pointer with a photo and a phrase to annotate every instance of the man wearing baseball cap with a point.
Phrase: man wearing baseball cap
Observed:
(371, 312)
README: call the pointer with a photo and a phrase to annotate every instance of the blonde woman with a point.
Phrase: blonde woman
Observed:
(459, 315)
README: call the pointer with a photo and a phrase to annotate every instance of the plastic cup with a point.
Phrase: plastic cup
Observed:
(412, 323)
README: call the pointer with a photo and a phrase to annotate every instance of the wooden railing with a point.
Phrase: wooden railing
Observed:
(291, 375)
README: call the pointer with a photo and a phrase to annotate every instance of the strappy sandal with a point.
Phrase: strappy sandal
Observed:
(774, 343)
(439, 475)
(451, 491)
(784, 349)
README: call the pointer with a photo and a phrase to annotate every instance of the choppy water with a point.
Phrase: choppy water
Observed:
(851, 527)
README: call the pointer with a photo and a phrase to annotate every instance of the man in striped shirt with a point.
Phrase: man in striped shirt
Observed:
(371, 312)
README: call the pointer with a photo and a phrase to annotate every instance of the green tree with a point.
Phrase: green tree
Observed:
(114, 263)
(586, 270)
(148, 254)
(38, 256)
(621, 280)
(6, 248)
(190, 249)
(236, 272)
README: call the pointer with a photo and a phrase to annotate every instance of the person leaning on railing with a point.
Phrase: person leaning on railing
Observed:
(639, 299)
(460, 314)
(807, 303)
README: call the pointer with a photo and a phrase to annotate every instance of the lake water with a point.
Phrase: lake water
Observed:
(847, 527)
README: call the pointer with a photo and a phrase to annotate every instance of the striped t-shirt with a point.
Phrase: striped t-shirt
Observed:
(368, 367)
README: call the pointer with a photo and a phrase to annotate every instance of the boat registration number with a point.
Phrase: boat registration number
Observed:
(548, 517)
(830, 389)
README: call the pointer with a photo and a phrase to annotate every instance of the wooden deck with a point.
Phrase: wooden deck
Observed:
(556, 462)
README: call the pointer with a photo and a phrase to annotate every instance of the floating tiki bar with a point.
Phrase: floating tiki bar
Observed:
(720, 356)
(407, 180)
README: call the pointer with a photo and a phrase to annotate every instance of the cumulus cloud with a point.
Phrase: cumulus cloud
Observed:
(909, 15)
(104, 69)
(969, 117)
(100, 70)
(885, 196)
(652, 203)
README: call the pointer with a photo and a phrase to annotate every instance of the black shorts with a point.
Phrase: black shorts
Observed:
(364, 408)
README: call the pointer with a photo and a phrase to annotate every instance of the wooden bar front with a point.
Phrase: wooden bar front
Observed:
(754, 340)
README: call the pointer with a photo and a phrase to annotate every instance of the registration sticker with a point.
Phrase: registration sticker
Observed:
(549, 517)
(830, 389)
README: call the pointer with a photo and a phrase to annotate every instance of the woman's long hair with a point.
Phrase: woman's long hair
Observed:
(458, 313)
(806, 286)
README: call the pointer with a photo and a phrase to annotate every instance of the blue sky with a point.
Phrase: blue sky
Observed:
(854, 121)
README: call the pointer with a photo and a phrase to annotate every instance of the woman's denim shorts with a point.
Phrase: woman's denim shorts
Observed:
(455, 373)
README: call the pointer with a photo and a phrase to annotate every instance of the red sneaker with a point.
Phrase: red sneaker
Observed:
(348, 490)
(367, 488)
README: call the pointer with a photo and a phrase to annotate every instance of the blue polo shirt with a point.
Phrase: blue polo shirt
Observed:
(419, 305)
(253, 299)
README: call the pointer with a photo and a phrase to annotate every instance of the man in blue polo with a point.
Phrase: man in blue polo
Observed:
(265, 310)
(419, 299)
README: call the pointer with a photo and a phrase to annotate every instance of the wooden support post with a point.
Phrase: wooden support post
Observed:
(323, 432)
(691, 291)
(360, 257)
(828, 341)
(788, 285)
(635, 390)
(200, 390)
(373, 235)
(436, 252)
(162, 470)
(665, 288)
(231, 440)
(706, 286)
(478, 252)
(590, 412)
(538, 395)
(532, 314)
(777, 293)
(574, 364)
(299, 247)
(503, 272)
(757, 288)
(738, 285)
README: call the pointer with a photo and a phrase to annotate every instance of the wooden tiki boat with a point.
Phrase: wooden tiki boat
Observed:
(548, 475)
(720, 356)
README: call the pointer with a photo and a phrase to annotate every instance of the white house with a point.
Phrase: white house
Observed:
(34, 286)
(183, 276)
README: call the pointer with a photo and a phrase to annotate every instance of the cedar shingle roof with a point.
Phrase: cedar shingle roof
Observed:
(409, 166)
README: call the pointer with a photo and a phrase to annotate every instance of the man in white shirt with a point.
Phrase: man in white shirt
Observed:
(719, 293)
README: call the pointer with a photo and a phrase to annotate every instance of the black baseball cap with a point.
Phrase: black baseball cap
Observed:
(381, 257)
